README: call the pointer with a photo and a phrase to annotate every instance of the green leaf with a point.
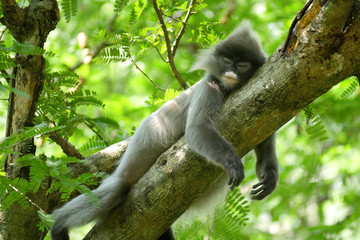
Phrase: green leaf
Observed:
(111, 55)
(6, 61)
(69, 8)
(351, 88)
(18, 92)
(120, 4)
(27, 49)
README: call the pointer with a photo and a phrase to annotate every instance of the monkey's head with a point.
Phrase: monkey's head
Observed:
(234, 60)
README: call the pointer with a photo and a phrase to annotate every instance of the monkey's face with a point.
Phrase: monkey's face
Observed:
(234, 72)
(234, 65)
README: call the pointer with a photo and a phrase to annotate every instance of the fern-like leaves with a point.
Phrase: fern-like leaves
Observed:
(137, 10)
(94, 144)
(227, 223)
(6, 61)
(120, 4)
(113, 54)
(69, 8)
(230, 218)
(315, 127)
(351, 88)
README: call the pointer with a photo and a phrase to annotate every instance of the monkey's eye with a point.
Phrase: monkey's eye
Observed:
(243, 66)
(227, 61)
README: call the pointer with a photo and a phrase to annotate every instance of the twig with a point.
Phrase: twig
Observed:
(88, 124)
(26, 197)
(170, 54)
(99, 47)
(182, 30)
(96, 52)
(157, 50)
(152, 81)
(65, 145)
(163, 27)
(229, 11)
(188, 24)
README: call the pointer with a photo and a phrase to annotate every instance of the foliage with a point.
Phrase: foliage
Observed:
(69, 8)
(100, 102)
(227, 223)
(352, 87)
(315, 127)
(46, 173)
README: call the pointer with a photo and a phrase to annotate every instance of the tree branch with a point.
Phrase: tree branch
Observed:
(180, 20)
(229, 11)
(182, 30)
(65, 145)
(170, 54)
(147, 76)
(100, 46)
(12, 14)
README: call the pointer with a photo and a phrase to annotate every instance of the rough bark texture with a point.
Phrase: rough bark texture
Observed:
(321, 51)
(30, 25)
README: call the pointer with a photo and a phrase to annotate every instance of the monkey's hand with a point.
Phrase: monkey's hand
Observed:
(267, 184)
(235, 170)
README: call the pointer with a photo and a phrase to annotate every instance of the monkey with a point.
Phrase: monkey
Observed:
(193, 114)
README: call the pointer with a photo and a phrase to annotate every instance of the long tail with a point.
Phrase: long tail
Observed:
(81, 210)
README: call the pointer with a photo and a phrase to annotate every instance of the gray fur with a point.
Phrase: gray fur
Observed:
(194, 113)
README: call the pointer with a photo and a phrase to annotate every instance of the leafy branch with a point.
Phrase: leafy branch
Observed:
(100, 46)
(171, 49)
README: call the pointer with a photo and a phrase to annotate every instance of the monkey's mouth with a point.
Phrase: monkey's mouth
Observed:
(230, 78)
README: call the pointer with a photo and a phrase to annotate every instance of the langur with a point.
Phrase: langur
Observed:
(194, 113)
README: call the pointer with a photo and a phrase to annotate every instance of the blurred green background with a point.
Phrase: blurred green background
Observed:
(318, 192)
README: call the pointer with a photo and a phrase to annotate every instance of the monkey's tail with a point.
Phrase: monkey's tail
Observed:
(81, 210)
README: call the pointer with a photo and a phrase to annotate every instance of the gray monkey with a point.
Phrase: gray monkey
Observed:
(194, 113)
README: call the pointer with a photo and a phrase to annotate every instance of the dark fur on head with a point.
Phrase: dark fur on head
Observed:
(242, 44)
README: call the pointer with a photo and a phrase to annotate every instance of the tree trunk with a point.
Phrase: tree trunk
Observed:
(322, 49)
(29, 25)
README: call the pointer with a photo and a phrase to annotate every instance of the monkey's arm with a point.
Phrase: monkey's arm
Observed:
(266, 168)
(202, 136)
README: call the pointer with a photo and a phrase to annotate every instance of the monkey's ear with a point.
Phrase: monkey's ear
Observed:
(204, 60)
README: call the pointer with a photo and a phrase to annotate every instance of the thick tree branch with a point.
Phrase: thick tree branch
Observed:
(12, 14)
